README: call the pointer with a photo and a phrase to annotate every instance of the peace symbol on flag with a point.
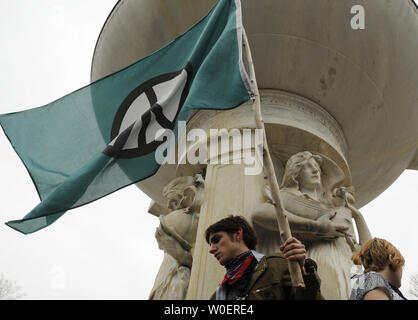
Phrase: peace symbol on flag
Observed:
(150, 107)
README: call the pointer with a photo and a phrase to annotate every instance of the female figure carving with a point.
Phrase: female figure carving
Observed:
(320, 213)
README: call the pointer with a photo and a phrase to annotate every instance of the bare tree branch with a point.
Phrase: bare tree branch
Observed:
(9, 290)
(413, 286)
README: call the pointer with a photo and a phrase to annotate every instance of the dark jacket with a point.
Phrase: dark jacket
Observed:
(271, 281)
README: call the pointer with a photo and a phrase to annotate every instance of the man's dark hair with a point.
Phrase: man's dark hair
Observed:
(232, 224)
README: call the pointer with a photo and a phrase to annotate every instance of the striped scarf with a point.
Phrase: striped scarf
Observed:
(236, 267)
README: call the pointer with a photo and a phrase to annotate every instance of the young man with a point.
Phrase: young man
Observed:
(251, 275)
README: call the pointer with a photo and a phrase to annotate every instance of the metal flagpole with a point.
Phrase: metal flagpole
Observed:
(269, 173)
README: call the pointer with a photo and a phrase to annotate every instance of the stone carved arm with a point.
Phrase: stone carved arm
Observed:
(362, 228)
(172, 247)
(177, 231)
(323, 228)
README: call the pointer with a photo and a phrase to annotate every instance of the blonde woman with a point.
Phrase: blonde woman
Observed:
(382, 276)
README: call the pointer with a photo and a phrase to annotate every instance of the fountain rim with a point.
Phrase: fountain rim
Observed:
(119, 2)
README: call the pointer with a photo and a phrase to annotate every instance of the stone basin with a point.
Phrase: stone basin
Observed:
(366, 80)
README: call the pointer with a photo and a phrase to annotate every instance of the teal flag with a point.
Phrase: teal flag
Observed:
(103, 137)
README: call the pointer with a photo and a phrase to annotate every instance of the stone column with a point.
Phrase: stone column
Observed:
(228, 191)
(293, 124)
(233, 184)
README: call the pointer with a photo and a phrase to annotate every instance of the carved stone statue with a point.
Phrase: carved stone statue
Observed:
(176, 235)
(320, 213)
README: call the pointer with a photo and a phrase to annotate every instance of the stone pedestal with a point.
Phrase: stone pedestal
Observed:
(228, 191)
(293, 124)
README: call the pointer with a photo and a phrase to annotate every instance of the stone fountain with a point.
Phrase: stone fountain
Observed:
(347, 96)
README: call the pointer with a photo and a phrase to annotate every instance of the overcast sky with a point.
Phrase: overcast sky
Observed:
(107, 249)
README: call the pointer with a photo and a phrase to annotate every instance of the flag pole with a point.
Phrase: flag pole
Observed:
(269, 173)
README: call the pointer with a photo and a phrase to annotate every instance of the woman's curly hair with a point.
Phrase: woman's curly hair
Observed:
(374, 255)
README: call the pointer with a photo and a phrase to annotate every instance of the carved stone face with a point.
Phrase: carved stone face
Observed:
(310, 175)
(174, 191)
(174, 199)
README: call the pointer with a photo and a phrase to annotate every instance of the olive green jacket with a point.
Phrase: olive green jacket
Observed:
(271, 281)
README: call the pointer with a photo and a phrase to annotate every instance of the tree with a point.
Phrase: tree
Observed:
(9, 290)
(413, 286)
